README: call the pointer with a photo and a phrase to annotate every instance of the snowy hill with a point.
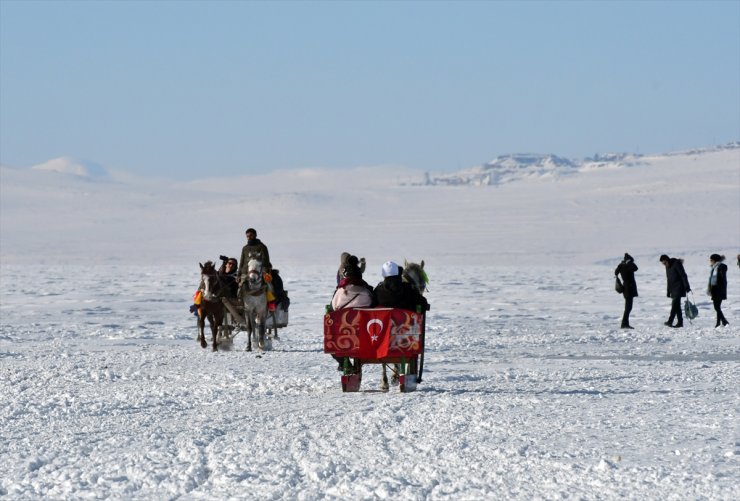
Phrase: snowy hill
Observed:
(67, 165)
(544, 209)
(508, 168)
(518, 167)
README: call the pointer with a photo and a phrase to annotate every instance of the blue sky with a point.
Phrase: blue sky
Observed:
(192, 89)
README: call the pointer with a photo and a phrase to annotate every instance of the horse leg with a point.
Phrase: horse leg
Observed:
(201, 331)
(250, 329)
(214, 332)
(248, 322)
(384, 382)
(396, 372)
(261, 342)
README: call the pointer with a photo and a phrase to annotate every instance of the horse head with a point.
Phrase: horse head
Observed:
(207, 269)
(210, 280)
(414, 274)
(254, 274)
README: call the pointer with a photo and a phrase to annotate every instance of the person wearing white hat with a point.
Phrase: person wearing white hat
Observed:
(395, 293)
(390, 269)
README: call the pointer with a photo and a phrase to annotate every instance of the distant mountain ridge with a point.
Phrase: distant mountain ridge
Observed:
(515, 167)
(501, 170)
(74, 166)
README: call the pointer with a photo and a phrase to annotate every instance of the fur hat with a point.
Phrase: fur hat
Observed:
(351, 271)
(390, 269)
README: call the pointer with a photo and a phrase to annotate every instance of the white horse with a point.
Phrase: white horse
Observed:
(253, 292)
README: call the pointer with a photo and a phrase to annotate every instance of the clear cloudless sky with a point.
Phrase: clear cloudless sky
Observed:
(184, 89)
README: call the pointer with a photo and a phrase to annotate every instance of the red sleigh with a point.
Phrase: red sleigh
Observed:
(389, 336)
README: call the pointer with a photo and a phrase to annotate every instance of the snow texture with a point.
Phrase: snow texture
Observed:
(530, 391)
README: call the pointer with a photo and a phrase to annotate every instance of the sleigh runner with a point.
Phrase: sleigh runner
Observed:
(390, 336)
(277, 318)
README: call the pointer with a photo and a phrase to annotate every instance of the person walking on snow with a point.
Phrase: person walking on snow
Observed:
(627, 269)
(717, 287)
(677, 287)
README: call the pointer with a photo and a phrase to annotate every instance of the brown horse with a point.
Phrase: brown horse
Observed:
(210, 306)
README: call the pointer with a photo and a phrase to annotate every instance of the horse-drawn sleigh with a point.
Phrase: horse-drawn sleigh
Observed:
(393, 337)
(256, 310)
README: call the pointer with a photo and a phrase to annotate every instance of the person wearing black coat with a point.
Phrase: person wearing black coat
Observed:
(230, 287)
(717, 287)
(677, 287)
(393, 292)
(627, 269)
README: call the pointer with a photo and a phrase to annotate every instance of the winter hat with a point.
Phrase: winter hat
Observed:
(627, 257)
(351, 271)
(390, 269)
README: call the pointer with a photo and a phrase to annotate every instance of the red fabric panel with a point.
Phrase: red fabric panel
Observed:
(372, 333)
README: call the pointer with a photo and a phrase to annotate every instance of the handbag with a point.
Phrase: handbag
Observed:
(618, 286)
(690, 309)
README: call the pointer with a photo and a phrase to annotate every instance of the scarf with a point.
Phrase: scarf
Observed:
(713, 278)
(352, 280)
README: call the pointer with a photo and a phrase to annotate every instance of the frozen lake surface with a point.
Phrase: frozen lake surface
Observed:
(530, 391)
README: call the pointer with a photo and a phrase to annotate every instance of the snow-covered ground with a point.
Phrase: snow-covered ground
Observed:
(530, 390)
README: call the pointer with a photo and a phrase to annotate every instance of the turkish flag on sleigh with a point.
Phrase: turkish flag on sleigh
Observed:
(373, 333)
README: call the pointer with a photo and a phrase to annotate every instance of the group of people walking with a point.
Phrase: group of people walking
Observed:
(677, 286)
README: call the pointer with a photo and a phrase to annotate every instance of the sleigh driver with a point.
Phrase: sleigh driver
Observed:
(254, 249)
